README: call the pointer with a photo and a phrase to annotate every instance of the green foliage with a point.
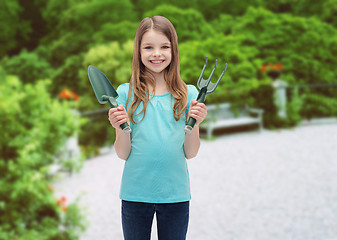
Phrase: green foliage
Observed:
(224, 23)
(34, 122)
(67, 76)
(78, 24)
(82, 16)
(305, 8)
(53, 9)
(116, 32)
(294, 106)
(264, 99)
(13, 28)
(244, 34)
(96, 134)
(65, 36)
(316, 105)
(28, 66)
(114, 59)
(31, 13)
(273, 35)
(227, 49)
(329, 12)
(189, 23)
(34, 127)
(67, 45)
(211, 9)
(143, 6)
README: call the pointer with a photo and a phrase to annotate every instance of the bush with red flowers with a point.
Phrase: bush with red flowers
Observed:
(68, 95)
(34, 129)
(272, 70)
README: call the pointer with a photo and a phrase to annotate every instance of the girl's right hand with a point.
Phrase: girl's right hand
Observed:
(118, 116)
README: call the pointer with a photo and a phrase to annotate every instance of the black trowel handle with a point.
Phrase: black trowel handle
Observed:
(113, 104)
(191, 121)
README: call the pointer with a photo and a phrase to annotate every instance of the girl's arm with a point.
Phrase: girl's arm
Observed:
(192, 143)
(122, 144)
(192, 140)
(118, 116)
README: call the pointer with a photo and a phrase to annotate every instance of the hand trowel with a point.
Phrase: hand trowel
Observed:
(104, 91)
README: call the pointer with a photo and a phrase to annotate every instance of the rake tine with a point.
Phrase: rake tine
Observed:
(214, 85)
(210, 77)
(222, 74)
(203, 69)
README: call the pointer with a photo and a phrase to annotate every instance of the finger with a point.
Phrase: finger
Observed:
(120, 117)
(120, 122)
(200, 105)
(119, 113)
(112, 111)
(197, 118)
(116, 123)
(120, 107)
(199, 111)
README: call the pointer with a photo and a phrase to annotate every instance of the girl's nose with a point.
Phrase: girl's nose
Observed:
(157, 52)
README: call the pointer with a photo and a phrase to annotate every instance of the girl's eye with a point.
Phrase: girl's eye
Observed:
(165, 47)
(147, 47)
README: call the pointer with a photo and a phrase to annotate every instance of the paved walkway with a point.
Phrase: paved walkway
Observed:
(263, 186)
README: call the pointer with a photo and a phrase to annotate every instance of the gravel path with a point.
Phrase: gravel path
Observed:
(264, 186)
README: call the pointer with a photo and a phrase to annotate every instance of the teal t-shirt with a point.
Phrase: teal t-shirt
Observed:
(156, 169)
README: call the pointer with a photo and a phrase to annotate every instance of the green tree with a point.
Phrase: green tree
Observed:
(90, 16)
(273, 36)
(114, 59)
(78, 24)
(224, 23)
(28, 66)
(143, 6)
(120, 32)
(34, 128)
(189, 23)
(329, 12)
(14, 29)
(67, 76)
(211, 9)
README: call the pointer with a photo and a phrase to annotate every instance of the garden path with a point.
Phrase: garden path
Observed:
(268, 185)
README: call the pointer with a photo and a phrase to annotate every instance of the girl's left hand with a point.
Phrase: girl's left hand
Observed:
(198, 111)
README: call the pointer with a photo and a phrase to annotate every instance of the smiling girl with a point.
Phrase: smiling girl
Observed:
(156, 104)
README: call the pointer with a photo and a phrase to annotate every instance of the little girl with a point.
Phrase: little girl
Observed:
(156, 104)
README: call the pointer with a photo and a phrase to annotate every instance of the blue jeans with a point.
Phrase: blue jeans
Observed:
(172, 220)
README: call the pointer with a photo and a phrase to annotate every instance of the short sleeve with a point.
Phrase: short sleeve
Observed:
(122, 91)
(192, 94)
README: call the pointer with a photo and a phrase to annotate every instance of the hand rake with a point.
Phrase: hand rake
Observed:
(205, 87)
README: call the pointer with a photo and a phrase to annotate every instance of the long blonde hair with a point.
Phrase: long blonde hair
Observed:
(140, 77)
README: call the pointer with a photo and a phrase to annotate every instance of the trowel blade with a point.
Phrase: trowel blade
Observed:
(101, 84)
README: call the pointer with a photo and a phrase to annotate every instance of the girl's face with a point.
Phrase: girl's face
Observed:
(155, 51)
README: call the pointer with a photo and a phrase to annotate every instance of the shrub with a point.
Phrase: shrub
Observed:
(264, 98)
(316, 105)
(28, 66)
(34, 127)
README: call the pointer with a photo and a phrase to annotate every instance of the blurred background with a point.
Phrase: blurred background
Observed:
(281, 59)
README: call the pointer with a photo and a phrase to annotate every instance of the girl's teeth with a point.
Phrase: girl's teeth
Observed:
(157, 61)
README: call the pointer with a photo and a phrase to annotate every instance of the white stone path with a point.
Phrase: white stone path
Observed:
(263, 186)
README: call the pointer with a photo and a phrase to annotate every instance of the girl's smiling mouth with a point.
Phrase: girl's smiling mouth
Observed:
(156, 61)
